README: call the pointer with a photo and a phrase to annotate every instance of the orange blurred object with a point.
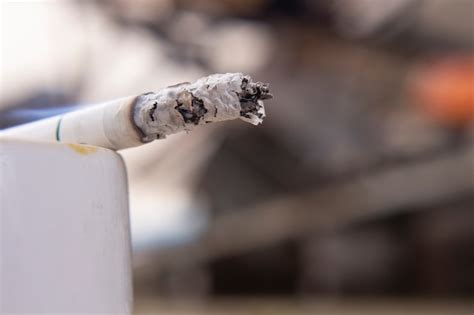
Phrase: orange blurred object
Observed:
(445, 89)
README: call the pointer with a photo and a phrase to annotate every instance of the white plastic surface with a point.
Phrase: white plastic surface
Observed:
(64, 230)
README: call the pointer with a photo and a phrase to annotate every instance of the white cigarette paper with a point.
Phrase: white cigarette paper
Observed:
(136, 120)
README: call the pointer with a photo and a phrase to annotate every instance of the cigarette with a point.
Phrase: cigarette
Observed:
(140, 119)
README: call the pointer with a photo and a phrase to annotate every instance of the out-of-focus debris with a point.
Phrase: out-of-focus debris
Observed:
(405, 187)
(359, 18)
(225, 8)
(448, 22)
(141, 11)
(408, 133)
(238, 46)
(199, 38)
(444, 88)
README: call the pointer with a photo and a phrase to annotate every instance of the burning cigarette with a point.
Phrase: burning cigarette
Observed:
(136, 120)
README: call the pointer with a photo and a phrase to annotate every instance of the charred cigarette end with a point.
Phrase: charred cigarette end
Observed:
(251, 98)
(217, 97)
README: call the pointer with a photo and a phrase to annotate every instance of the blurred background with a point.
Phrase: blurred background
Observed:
(356, 195)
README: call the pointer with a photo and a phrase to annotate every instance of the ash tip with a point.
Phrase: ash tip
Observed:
(254, 91)
(213, 98)
(251, 96)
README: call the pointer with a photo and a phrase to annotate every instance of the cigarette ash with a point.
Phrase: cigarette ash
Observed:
(193, 111)
(217, 97)
(251, 97)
